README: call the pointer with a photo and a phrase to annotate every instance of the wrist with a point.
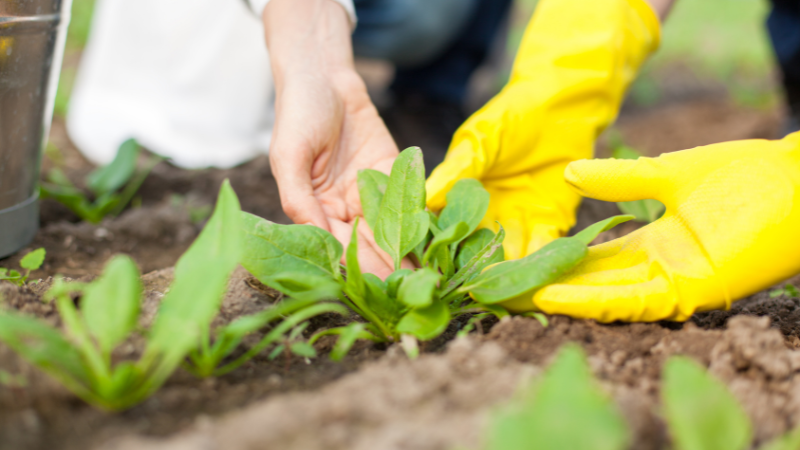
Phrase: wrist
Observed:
(308, 37)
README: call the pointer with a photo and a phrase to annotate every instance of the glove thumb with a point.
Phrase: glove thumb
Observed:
(462, 161)
(616, 180)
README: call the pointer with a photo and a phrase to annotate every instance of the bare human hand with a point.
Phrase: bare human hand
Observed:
(326, 128)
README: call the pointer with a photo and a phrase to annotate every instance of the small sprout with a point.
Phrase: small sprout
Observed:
(31, 261)
(112, 187)
(788, 291)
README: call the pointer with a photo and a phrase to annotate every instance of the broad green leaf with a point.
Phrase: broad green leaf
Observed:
(110, 304)
(378, 301)
(588, 234)
(789, 441)
(419, 250)
(113, 176)
(371, 187)
(402, 220)
(201, 279)
(393, 281)
(510, 279)
(701, 413)
(425, 323)
(474, 244)
(565, 410)
(304, 286)
(347, 337)
(647, 210)
(467, 202)
(418, 288)
(450, 235)
(270, 249)
(490, 253)
(303, 349)
(43, 347)
(33, 260)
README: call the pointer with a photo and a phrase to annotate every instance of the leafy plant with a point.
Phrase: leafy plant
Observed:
(81, 357)
(647, 210)
(409, 305)
(112, 186)
(788, 290)
(564, 410)
(31, 261)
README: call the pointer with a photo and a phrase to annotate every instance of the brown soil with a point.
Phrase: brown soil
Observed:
(377, 398)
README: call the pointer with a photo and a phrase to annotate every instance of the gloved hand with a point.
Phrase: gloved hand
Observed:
(575, 62)
(732, 228)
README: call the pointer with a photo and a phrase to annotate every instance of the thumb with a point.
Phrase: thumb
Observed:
(617, 180)
(462, 161)
(293, 175)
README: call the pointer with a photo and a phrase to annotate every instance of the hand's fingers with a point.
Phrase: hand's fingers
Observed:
(642, 302)
(462, 161)
(292, 170)
(617, 180)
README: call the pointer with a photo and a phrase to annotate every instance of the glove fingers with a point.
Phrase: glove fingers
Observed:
(647, 301)
(462, 161)
(617, 180)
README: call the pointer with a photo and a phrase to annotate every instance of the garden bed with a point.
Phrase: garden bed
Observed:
(376, 397)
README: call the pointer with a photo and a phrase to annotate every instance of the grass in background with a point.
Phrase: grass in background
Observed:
(77, 36)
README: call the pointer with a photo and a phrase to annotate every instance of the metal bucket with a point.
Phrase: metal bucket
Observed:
(32, 38)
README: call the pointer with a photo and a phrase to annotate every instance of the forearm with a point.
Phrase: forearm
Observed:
(307, 36)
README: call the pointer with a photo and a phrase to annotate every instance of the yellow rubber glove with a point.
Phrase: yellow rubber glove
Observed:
(732, 228)
(575, 62)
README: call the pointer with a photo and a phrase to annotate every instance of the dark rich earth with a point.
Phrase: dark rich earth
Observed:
(377, 398)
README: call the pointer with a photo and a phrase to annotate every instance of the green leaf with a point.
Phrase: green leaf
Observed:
(476, 243)
(418, 288)
(510, 279)
(789, 441)
(450, 235)
(304, 286)
(387, 309)
(303, 349)
(245, 325)
(110, 304)
(354, 285)
(33, 260)
(201, 279)
(371, 187)
(394, 280)
(270, 249)
(792, 291)
(347, 337)
(425, 323)
(467, 202)
(44, 347)
(700, 411)
(565, 410)
(113, 176)
(402, 221)
(276, 351)
(624, 152)
(646, 211)
(588, 234)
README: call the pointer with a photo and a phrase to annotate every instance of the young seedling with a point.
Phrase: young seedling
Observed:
(80, 356)
(31, 261)
(788, 290)
(566, 409)
(112, 186)
(454, 277)
(647, 210)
